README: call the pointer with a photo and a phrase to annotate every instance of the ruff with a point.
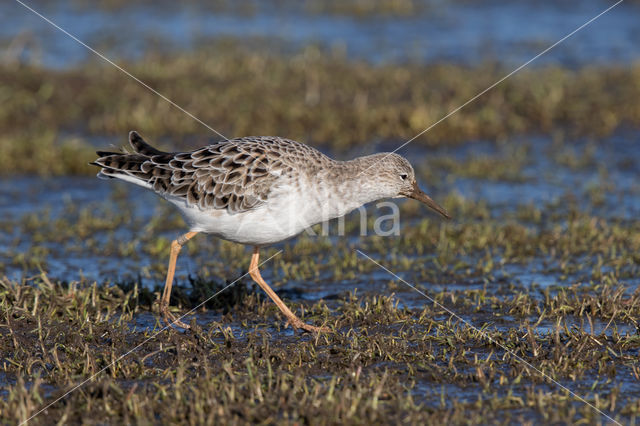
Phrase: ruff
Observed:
(258, 191)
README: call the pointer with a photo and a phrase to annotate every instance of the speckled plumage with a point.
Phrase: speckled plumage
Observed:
(236, 175)
(258, 190)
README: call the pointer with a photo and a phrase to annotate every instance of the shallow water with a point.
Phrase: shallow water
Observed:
(465, 32)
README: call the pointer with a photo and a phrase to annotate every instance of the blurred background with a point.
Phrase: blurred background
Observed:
(353, 77)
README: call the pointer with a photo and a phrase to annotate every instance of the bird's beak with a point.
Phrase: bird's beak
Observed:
(417, 194)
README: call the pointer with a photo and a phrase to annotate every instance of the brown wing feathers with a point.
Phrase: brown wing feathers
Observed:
(232, 175)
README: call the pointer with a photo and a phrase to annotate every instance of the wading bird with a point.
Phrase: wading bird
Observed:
(258, 191)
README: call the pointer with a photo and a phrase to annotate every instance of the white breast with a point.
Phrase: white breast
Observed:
(285, 215)
(290, 209)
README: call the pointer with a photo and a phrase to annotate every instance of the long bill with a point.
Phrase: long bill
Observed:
(418, 194)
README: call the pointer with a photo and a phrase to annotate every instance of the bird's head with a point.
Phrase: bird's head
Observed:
(398, 179)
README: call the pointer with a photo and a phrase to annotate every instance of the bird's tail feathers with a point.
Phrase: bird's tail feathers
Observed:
(140, 146)
(125, 165)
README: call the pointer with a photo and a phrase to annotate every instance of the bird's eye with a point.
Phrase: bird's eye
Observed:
(404, 176)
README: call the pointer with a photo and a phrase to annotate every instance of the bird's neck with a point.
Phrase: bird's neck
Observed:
(349, 185)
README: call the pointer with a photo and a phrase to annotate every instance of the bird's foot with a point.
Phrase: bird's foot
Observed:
(171, 319)
(296, 323)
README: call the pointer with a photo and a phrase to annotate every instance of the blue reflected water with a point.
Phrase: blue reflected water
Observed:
(464, 32)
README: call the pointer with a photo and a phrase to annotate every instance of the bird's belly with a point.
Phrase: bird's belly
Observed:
(289, 211)
(268, 224)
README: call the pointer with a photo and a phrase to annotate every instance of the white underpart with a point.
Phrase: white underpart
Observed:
(127, 178)
(265, 225)
(289, 210)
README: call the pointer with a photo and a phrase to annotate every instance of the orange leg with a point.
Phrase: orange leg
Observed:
(291, 317)
(176, 246)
